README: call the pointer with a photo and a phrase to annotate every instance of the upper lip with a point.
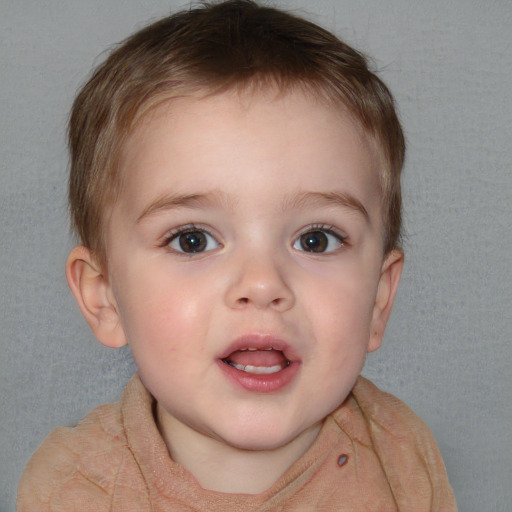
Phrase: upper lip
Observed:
(261, 342)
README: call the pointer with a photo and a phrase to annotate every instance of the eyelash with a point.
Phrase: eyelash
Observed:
(326, 228)
(192, 228)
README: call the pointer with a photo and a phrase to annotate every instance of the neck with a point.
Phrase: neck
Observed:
(219, 467)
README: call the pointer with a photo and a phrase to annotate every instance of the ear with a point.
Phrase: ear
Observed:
(386, 291)
(90, 286)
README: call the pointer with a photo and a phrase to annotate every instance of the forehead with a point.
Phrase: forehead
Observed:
(278, 139)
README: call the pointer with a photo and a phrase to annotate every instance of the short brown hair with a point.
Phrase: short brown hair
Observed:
(212, 48)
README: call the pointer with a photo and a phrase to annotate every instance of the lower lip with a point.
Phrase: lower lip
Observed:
(261, 383)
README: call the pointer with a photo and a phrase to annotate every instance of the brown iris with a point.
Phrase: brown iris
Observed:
(193, 241)
(314, 241)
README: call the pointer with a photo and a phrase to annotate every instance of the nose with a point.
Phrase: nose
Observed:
(259, 282)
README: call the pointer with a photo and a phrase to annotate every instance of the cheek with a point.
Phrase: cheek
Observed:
(159, 311)
(342, 301)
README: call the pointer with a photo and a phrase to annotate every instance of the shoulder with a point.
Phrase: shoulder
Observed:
(403, 444)
(393, 423)
(76, 465)
(387, 411)
(368, 411)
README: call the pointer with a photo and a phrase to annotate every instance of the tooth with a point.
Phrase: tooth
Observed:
(252, 349)
(259, 370)
(268, 348)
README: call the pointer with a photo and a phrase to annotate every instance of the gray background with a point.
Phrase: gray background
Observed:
(447, 351)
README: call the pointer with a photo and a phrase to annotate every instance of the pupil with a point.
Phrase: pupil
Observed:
(316, 241)
(194, 241)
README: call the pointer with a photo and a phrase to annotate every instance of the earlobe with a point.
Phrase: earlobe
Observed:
(388, 285)
(90, 286)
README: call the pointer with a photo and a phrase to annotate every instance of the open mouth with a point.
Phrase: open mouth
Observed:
(257, 361)
(260, 364)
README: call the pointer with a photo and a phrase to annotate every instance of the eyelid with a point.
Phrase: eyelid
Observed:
(328, 228)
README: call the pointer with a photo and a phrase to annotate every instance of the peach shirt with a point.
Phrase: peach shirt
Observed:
(372, 454)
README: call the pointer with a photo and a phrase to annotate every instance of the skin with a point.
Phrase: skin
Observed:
(256, 173)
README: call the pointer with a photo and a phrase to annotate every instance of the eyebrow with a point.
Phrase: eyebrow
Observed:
(342, 199)
(219, 198)
(175, 201)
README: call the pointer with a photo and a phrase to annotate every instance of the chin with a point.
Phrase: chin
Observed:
(257, 444)
(261, 439)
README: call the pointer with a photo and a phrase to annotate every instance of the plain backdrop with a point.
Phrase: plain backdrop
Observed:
(447, 352)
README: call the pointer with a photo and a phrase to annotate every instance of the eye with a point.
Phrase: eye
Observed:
(192, 240)
(319, 241)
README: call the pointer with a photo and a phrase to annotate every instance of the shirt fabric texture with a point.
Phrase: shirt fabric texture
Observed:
(372, 454)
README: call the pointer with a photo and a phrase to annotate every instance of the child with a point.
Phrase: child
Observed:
(235, 184)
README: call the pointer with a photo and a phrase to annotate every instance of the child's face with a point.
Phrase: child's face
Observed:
(244, 262)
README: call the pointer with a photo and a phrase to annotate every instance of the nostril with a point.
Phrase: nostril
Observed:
(243, 301)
